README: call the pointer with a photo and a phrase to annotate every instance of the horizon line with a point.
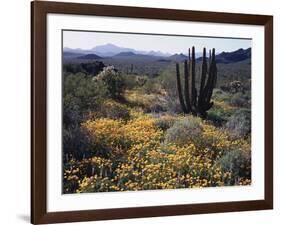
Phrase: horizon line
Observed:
(89, 49)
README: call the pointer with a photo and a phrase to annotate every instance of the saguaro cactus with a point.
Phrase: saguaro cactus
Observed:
(191, 100)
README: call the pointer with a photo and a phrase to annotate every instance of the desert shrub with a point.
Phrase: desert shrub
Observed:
(220, 113)
(220, 95)
(240, 100)
(141, 80)
(217, 116)
(233, 87)
(81, 94)
(237, 162)
(165, 122)
(130, 81)
(156, 107)
(151, 86)
(80, 97)
(173, 105)
(167, 79)
(235, 99)
(90, 68)
(185, 131)
(240, 123)
(114, 110)
(75, 143)
(113, 80)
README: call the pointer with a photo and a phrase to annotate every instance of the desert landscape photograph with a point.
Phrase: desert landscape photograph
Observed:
(154, 111)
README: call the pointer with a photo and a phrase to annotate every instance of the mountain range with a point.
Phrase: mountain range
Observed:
(114, 52)
(109, 50)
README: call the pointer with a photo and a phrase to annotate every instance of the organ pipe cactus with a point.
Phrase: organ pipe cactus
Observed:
(197, 103)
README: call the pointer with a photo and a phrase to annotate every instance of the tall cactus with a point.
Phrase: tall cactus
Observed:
(191, 101)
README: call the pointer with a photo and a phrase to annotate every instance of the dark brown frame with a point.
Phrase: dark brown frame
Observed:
(39, 11)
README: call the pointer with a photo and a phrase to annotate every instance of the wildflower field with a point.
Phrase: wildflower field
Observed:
(126, 132)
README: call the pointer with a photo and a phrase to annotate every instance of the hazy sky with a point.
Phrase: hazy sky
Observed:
(163, 43)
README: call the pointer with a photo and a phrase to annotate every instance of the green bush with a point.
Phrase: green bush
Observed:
(237, 162)
(114, 110)
(113, 81)
(240, 123)
(219, 115)
(81, 94)
(185, 131)
(89, 68)
(130, 81)
(151, 86)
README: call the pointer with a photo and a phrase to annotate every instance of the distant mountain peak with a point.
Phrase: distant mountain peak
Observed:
(106, 46)
(109, 50)
(109, 45)
(178, 57)
(234, 56)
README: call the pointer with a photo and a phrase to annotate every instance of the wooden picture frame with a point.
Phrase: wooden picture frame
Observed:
(39, 11)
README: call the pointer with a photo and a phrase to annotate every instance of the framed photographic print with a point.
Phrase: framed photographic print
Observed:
(143, 112)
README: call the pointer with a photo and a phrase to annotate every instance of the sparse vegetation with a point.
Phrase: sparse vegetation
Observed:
(124, 127)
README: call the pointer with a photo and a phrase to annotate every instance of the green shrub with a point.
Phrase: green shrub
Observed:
(130, 81)
(113, 80)
(237, 162)
(89, 68)
(185, 131)
(240, 123)
(151, 86)
(218, 115)
(81, 94)
(167, 79)
(114, 110)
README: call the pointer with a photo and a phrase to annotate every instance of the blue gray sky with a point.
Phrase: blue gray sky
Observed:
(163, 43)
